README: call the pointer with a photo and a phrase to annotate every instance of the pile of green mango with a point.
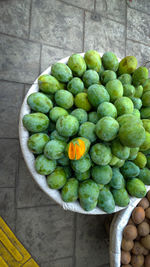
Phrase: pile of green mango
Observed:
(106, 103)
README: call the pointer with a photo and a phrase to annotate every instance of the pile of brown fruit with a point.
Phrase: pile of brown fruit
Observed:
(136, 237)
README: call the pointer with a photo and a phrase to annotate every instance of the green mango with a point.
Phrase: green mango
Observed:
(36, 122)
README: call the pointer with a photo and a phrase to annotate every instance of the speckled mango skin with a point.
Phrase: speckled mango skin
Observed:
(57, 112)
(121, 197)
(82, 176)
(110, 61)
(69, 192)
(48, 84)
(137, 102)
(114, 160)
(117, 181)
(97, 94)
(63, 161)
(37, 142)
(140, 160)
(57, 179)
(115, 89)
(120, 151)
(125, 78)
(55, 135)
(64, 99)
(136, 113)
(93, 117)
(90, 77)
(36, 122)
(68, 172)
(133, 153)
(77, 64)
(87, 130)
(146, 99)
(146, 125)
(146, 144)
(101, 154)
(108, 75)
(102, 174)
(119, 163)
(39, 102)
(81, 165)
(145, 113)
(138, 91)
(127, 65)
(107, 128)
(80, 114)
(144, 176)
(139, 76)
(54, 149)
(132, 135)
(75, 86)
(136, 188)
(124, 105)
(93, 60)
(106, 201)
(129, 169)
(44, 165)
(88, 194)
(146, 85)
(106, 109)
(129, 119)
(67, 125)
(61, 72)
(128, 90)
(81, 101)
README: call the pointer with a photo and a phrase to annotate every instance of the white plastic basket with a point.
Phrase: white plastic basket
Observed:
(29, 157)
(119, 222)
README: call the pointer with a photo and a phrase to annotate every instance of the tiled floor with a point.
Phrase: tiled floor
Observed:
(34, 34)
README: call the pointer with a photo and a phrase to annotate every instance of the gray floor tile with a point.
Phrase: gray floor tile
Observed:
(28, 192)
(143, 5)
(86, 4)
(138, 25)
(91, 242)
(19, 59)
(58, 263)
(51, 55)
(8, 162)
(7, 209)
(104, 35)
(10, 103)
(46, 232)
(14, 17)
(113, 9)
(140, 51)
(57, 24)
(27, 87)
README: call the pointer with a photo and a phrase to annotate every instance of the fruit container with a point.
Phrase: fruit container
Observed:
(30, 159)
(118, 224)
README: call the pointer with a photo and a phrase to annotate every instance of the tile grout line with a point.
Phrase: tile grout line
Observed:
(9, 138)
(126, 27)
(30, 15)
(62, 258)
(69, 4)
(74, 246)
(138, 10)
(94, 6)
(135, 41)
(83, 31)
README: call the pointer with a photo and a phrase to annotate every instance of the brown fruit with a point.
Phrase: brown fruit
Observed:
(137, 248)
(145, 241)
(147, 261)
(125, 257)
(127, 245)
(131, 222)
(138, 238)
(138, 215)
(145, 251)
(130, 232)
(147, 213)
(143, 229)
(144, 203)
(137, 260)
(148, 196)
(146, 220)
(126, 265)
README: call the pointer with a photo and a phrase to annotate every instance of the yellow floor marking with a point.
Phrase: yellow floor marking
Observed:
(12, 252)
